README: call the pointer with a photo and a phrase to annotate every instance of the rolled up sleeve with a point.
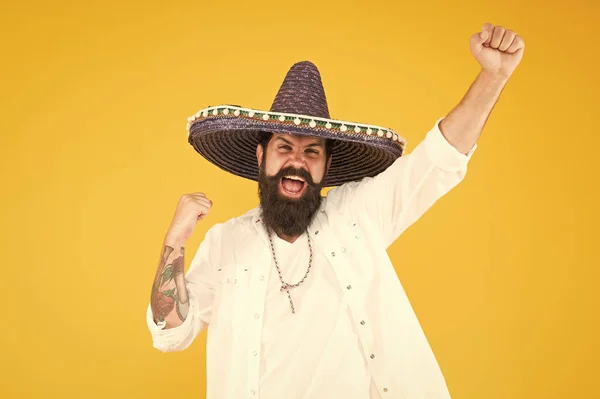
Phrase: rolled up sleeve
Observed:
(442, 154)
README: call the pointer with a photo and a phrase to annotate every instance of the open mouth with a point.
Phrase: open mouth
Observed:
(292, 186)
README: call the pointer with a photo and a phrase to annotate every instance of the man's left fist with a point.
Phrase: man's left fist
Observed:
(498, 50)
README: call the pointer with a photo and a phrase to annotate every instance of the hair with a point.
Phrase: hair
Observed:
(265, 137)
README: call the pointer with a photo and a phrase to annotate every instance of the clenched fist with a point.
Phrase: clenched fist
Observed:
(190, 209)
(498, 50)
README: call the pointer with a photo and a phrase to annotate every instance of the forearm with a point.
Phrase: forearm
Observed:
(169, 297)
(463, 125)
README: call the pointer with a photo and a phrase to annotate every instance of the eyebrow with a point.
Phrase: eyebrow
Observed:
(315, 144)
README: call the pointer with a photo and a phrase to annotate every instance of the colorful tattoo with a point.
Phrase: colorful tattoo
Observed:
(169, 291)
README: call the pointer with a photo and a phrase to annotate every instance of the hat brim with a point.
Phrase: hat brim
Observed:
(227, 136)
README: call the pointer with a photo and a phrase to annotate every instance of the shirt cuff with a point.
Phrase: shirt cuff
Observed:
(442, 153)
(165, 339)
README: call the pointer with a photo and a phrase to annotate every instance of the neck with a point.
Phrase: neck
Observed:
(287, 238)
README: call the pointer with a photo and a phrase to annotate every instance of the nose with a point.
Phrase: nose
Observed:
(297, 160)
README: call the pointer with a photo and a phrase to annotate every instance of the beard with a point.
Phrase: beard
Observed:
(288, 216)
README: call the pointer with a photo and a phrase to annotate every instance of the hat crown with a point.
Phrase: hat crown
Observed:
(302, 92)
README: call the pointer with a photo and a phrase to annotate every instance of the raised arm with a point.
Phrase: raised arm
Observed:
(498, 51)
(393, 200)
(169, 298)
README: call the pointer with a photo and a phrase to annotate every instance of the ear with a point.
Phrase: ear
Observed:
(259, 154)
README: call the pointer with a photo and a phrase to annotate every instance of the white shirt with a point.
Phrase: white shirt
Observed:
(316, 348)
(231, 284)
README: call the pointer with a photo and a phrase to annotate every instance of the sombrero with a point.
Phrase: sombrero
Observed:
(227, 135)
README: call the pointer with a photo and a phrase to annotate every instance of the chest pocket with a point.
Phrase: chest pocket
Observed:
(231, 294)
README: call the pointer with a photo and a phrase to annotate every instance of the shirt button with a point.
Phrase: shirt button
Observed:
(349, 287)
(333, 254)
(343, 249)
(254, 353)
(262, 278)
(384, 389)
(356, 237)
(256, 316)
(372, 356)
(362, 322)
(253, 392)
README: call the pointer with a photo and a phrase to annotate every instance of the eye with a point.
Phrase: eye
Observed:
(285, 147)
(312, 151)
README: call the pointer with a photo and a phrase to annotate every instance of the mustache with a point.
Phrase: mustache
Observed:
(290, 170)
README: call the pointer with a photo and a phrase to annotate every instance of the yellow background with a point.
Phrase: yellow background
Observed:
(502, 272)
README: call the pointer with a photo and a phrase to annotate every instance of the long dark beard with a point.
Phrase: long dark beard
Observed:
(284, 215)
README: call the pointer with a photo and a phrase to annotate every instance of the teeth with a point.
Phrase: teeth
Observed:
(294, 178)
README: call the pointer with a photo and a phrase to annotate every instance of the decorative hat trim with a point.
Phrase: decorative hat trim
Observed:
(339, 127)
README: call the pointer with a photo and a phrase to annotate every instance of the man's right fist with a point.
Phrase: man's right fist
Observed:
(190, 209)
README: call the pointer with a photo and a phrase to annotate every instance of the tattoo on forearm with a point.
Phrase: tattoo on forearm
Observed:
(169, 291)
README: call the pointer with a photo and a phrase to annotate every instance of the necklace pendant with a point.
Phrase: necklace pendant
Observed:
(285, 286)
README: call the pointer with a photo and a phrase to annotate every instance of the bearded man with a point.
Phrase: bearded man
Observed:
(299, 295)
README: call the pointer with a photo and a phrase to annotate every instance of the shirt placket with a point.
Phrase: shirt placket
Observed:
(375, 361)
(254, 310)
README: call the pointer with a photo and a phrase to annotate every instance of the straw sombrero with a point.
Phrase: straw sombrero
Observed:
(227, 135)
